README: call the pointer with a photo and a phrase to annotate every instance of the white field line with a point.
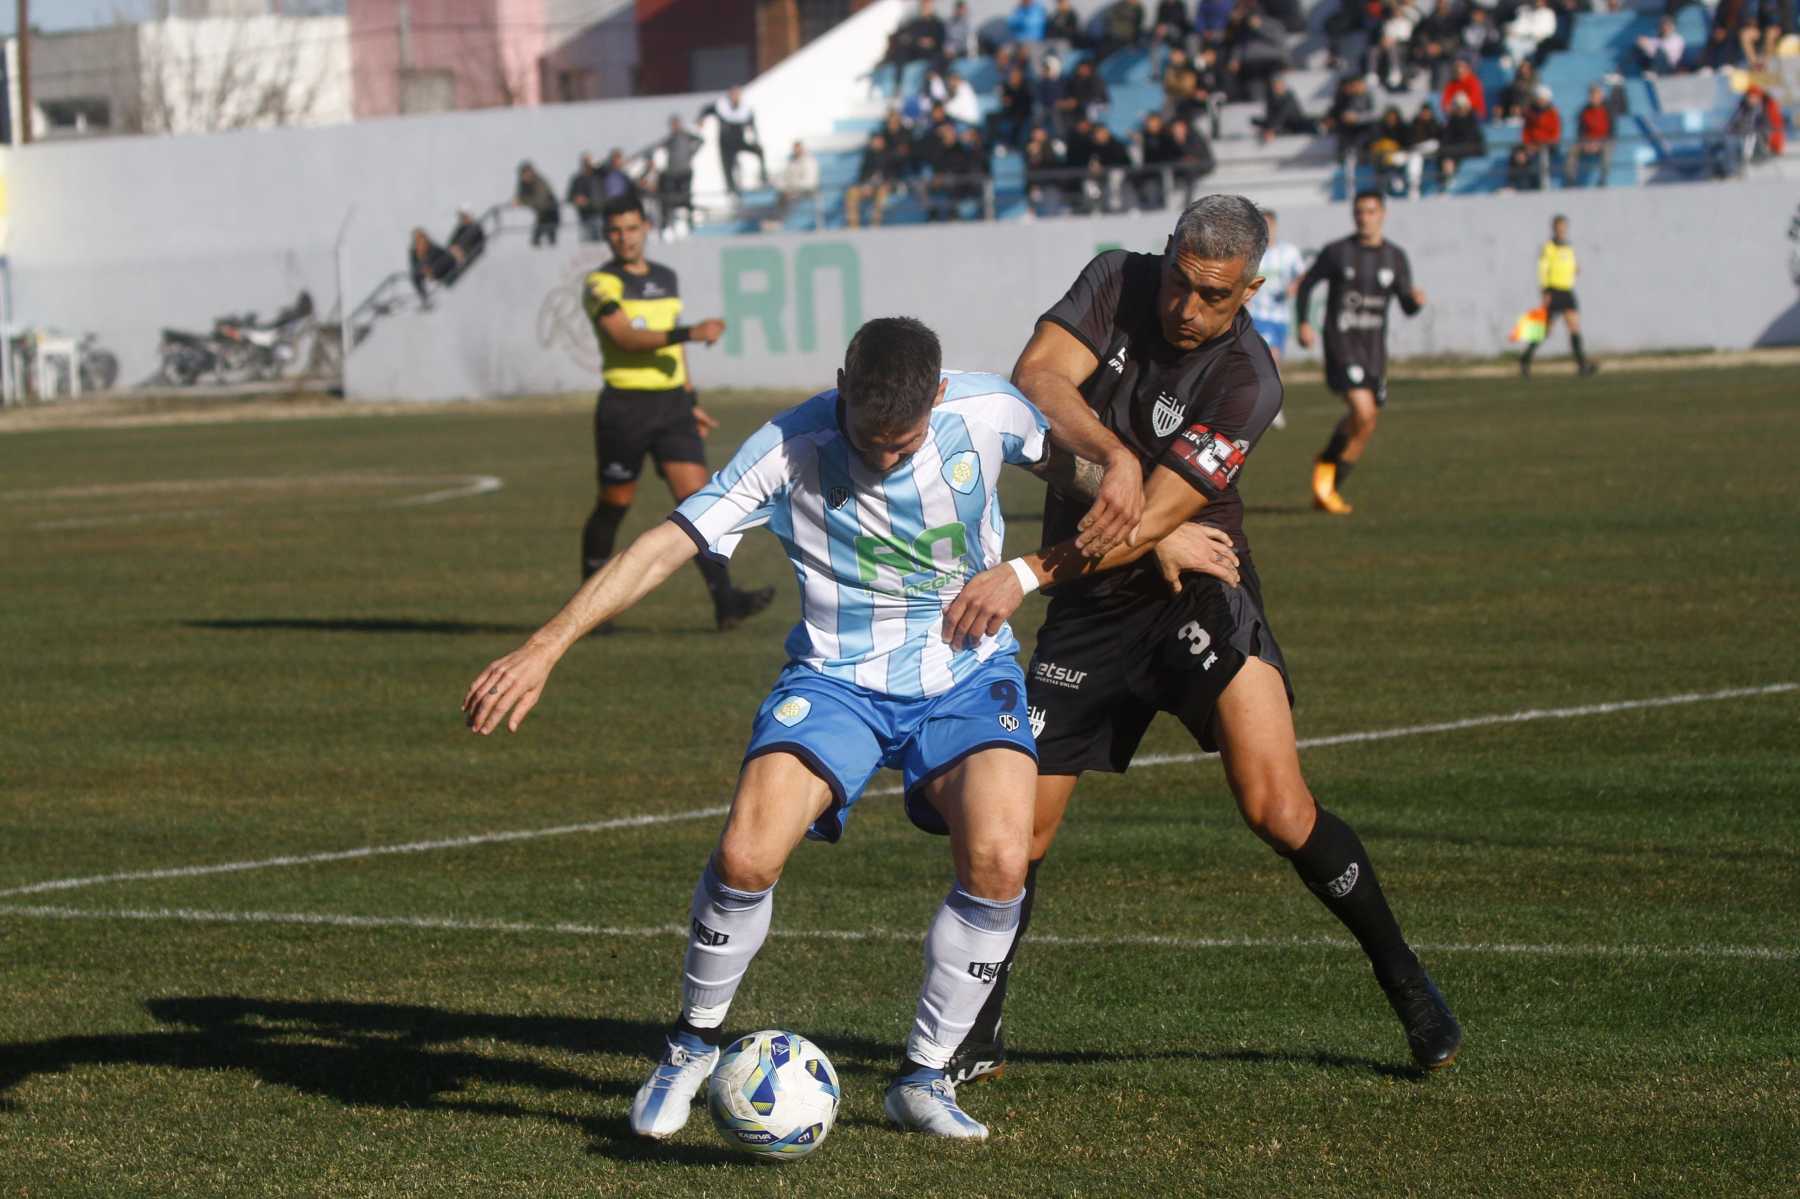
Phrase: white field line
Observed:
(461, 487)
(1769, 953)
(597, 826)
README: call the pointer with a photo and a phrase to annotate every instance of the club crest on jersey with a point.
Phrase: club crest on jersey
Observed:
(1385, 275)
(792, 710)
(962, 471)
(837, 497)
(1165, 418)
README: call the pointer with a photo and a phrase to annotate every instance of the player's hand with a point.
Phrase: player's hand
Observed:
(987, 600)
(1305, 334)
(513, 683)
(708, 331)
(703, 421)
(1418, 296)
(1199, 548)
(1117, 508)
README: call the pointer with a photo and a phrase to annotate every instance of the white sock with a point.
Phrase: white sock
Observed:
(964, 951)
(726, 928)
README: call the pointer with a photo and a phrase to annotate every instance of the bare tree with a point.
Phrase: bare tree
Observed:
(228, 73)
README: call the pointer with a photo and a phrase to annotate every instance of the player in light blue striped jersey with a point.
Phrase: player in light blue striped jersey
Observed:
(883, 492)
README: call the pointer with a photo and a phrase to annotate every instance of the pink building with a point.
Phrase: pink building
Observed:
(441, 55)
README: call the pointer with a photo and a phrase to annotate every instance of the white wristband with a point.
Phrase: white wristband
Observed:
(1028, 580)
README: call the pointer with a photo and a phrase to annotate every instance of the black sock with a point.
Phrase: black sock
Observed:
(1575, 343)
(718, 578)
(1530, 349)
(1344, 468)
(1334, 865)
(1334, 448)
(598, 536)
(987, 1025)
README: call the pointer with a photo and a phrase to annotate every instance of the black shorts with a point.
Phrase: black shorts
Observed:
(1101, 673)
(1348, 376)
(1559, 301)
(630, 424)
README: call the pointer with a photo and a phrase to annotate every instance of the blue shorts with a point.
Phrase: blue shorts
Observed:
(846, 733)
(1273, 332)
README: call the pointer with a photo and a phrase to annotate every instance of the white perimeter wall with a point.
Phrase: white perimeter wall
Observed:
(122, 236)
(1648, 282)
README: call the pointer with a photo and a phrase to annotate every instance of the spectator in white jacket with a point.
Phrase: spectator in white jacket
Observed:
(960, 102)
(1532, 26)
(798, 182)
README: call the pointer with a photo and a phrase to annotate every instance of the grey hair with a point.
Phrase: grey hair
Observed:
(1217, 227)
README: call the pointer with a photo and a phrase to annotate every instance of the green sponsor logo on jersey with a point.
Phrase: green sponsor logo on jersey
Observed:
(934, 560)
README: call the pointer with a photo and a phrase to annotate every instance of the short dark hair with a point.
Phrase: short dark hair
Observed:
(620, 205)
(1369, 193)
(891, 372)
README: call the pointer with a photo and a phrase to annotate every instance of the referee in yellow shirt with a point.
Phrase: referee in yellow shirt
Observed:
(647, 405)
(1556, 276)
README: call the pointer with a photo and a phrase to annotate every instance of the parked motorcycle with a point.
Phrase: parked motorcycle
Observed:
(186, 356)
(99, 368)
(265, 351)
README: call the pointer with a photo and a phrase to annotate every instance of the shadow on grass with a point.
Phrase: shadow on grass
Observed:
(398, 1056)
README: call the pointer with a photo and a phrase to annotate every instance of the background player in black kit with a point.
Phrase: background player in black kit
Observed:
(1362, 273)
(1150, 365)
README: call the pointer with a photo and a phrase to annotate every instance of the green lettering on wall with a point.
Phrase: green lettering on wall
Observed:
(811, 259)
(767, 304)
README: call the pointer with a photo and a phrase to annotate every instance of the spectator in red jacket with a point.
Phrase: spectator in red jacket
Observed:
(1464, 82)
(1593, 138)
(1543, 124)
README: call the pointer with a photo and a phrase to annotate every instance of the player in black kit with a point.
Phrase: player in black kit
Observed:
(1362, 274)
(1150, 366)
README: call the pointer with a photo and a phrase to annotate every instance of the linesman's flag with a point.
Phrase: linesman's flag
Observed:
(1530, 328)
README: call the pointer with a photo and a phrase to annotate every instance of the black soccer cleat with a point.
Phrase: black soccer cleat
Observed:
(1431, 1030)
(739, 606)
(977, 1063)
(1588, 369)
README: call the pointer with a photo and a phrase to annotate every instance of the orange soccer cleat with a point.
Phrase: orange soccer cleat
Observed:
(1324, 481)
(1333, 503)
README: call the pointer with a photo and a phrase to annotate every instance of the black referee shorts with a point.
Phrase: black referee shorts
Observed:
(1102, 672)
(1560, 301)
(630, 424)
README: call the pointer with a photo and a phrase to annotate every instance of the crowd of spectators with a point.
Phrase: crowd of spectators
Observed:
(1740, 33)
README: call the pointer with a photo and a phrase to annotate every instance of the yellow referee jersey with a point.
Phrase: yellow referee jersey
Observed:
(1556, 267)
(651, 301)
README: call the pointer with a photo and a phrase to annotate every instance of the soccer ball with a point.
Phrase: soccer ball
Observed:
(773, 1095)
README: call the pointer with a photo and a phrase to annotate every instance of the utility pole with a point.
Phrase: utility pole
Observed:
(23, 117)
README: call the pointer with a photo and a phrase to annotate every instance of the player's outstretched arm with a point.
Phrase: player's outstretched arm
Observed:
(516, 682)
(989, 599)
(1069, 473)
(1050, 372)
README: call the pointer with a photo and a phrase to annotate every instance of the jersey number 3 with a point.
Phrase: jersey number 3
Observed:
(1198, 639)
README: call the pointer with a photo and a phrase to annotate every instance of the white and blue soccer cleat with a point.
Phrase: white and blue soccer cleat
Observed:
(925, 1101)
(662, 1103)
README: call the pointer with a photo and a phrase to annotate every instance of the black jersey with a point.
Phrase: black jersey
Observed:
(1360, 280)
(1198, 412)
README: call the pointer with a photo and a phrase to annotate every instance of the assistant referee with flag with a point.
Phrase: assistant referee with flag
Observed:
(1556, 278)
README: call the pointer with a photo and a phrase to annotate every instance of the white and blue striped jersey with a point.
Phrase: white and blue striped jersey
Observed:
(1282, 263)
(878, 557)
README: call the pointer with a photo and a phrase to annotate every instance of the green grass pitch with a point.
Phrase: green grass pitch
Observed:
(229, 643)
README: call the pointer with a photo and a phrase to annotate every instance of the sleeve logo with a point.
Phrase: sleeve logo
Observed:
(1213, 456)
